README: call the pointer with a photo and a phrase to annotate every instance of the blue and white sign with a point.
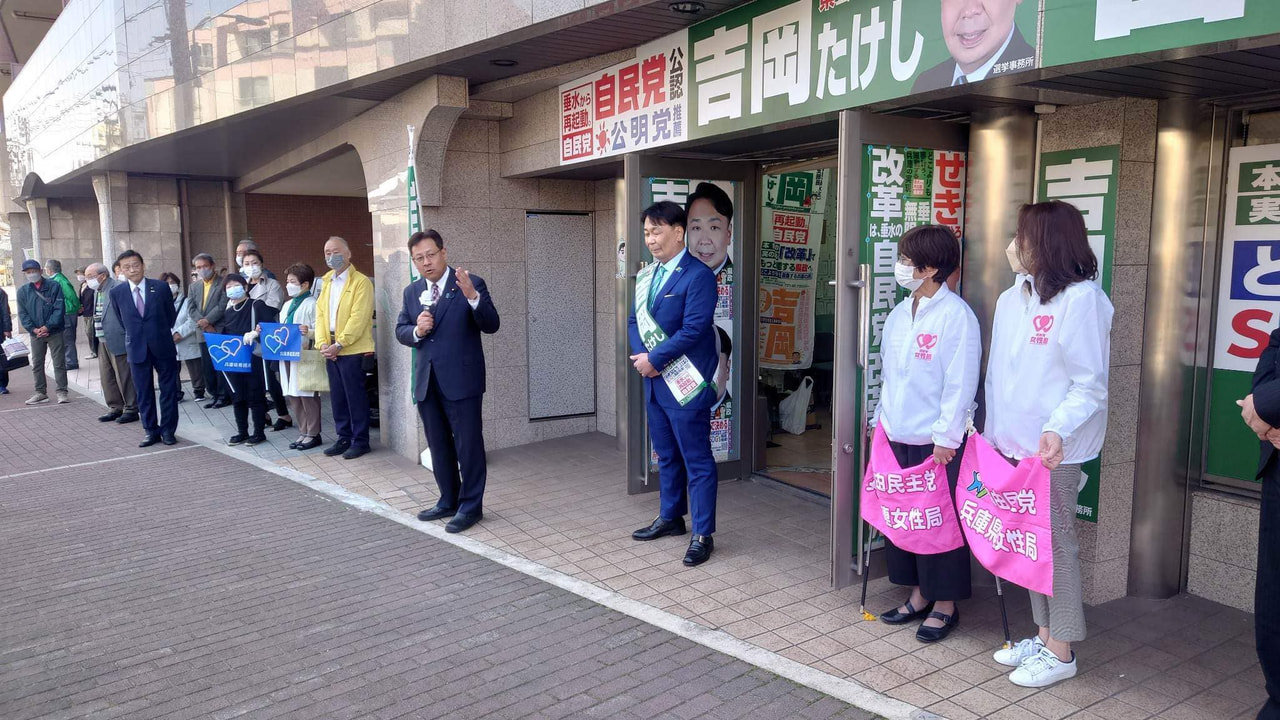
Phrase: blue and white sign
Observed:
(229, 353)
(281, 342)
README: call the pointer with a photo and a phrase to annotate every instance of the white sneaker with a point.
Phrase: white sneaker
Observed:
(1016, 654)
(38, 398)
(63, 397)
(1042, 670)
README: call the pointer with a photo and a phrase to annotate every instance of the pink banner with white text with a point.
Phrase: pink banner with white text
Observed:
(911, 506)
(1004, 510)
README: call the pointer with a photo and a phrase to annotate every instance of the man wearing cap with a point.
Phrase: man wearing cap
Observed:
(41, 307)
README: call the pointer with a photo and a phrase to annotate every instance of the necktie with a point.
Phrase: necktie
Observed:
(137, 300)
(435, 292)
(658, 277)
(962, 80)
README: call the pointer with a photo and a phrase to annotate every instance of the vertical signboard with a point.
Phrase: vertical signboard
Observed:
(902, 187)
(1248, 304)
(794, 209)
(627, 107)
(1081, 30)
(1087, 179)
(709, 232)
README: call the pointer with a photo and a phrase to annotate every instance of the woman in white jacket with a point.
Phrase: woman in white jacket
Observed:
(300, 309)
(1046, 393)
(184, 337)
(930, 351)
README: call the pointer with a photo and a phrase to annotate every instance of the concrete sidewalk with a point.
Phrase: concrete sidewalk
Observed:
(184, 583)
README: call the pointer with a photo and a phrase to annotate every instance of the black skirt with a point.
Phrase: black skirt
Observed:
(941, 577)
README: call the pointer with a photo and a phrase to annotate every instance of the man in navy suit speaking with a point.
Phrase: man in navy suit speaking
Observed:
(145, 310)
(442, 316)
(673, 344)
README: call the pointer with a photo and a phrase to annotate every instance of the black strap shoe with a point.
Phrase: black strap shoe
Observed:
(660, 528)
(897, 617)
(928, 634)
(700, 548)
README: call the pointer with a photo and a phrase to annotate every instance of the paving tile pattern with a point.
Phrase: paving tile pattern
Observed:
(190, 585)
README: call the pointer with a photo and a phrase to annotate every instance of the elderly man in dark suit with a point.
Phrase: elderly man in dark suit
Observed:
(145, 308)
(113, 360)
(983, 41)
(1261, 410)
(442, 316)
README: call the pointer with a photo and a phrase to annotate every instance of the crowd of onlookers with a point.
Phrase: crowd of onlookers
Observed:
(333, 312)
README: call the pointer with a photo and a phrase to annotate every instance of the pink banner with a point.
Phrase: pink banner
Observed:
(1004, 511)
(912, 507)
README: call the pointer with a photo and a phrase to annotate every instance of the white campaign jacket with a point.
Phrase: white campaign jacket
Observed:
(1048, 371)
(305, 315)
(929, 366)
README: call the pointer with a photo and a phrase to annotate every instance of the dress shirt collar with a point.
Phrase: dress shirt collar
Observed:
(982, 72)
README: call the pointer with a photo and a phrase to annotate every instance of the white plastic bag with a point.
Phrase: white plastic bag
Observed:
(794, 408)
(15, 348)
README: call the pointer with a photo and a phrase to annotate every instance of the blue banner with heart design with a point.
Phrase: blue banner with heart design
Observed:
(229, 353)
(281, 342)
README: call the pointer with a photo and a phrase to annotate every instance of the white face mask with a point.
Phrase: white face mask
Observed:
(294, 289)
(239, 261)
(905, 275)
(175, 289)
(33, 277)
(79, 278)
(1014, 261)
(252, 271)
(93, 283)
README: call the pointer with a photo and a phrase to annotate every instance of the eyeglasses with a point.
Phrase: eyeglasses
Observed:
(423, 257)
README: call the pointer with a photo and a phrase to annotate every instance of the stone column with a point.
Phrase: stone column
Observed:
(112, 191)
(41, 225)
(381, 138)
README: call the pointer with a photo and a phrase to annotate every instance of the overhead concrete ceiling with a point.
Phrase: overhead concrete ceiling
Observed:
(339, 176)
(23, 24)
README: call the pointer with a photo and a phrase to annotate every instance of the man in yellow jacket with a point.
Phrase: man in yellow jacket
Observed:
(344, 333)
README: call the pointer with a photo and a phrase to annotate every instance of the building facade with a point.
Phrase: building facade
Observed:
(540, 129)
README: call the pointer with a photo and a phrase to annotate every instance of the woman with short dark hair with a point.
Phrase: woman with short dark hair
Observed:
(1047, 397)
(248, 389)
(930, 352)
(300, 310)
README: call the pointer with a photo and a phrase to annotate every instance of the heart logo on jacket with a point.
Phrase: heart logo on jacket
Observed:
(226, 349)
(926, 341)
(1043, 323)
(276, 341)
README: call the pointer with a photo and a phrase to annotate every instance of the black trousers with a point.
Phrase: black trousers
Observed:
(218, 388)
(249, 395)
(273, 387)
(1266, 604)
(941, 577)
(455, 436)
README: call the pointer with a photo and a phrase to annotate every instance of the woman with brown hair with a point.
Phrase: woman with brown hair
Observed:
(1046, 396)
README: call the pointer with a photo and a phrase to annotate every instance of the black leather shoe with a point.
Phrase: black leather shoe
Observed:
(255, 439)
(314, 442)
(897, 617)
(168, 439)
(237, 439)
(149, 440)
(110, 417)
(337, 448)
(462, 522)
(700, 548)
(928, 634)
(435, 512)
(354, 452)
(281, 424)
(127, 418)
(660, 528)
(220, 404)
(211, 404)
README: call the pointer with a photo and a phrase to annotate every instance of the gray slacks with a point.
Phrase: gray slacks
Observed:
(55, 345)
(1063, 613)
(117, 381)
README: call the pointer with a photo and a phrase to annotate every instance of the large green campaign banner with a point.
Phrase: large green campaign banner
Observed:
(776, 60)
(1088, 179)
(1081, 30)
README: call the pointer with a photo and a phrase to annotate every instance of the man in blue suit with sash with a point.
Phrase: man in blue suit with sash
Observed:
(673, 345)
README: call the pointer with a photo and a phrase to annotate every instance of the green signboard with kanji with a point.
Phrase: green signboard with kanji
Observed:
(1081, 30)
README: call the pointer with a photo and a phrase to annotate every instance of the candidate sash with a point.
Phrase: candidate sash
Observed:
(682, 377)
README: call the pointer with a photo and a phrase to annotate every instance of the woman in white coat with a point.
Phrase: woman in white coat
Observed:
(931, 350)
(300, 309)
(184, 337)
(1047, 397)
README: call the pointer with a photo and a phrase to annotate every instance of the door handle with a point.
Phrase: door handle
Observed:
(859, 284)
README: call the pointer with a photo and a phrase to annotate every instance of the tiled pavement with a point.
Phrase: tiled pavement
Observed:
(182, 584)
(562, 504)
